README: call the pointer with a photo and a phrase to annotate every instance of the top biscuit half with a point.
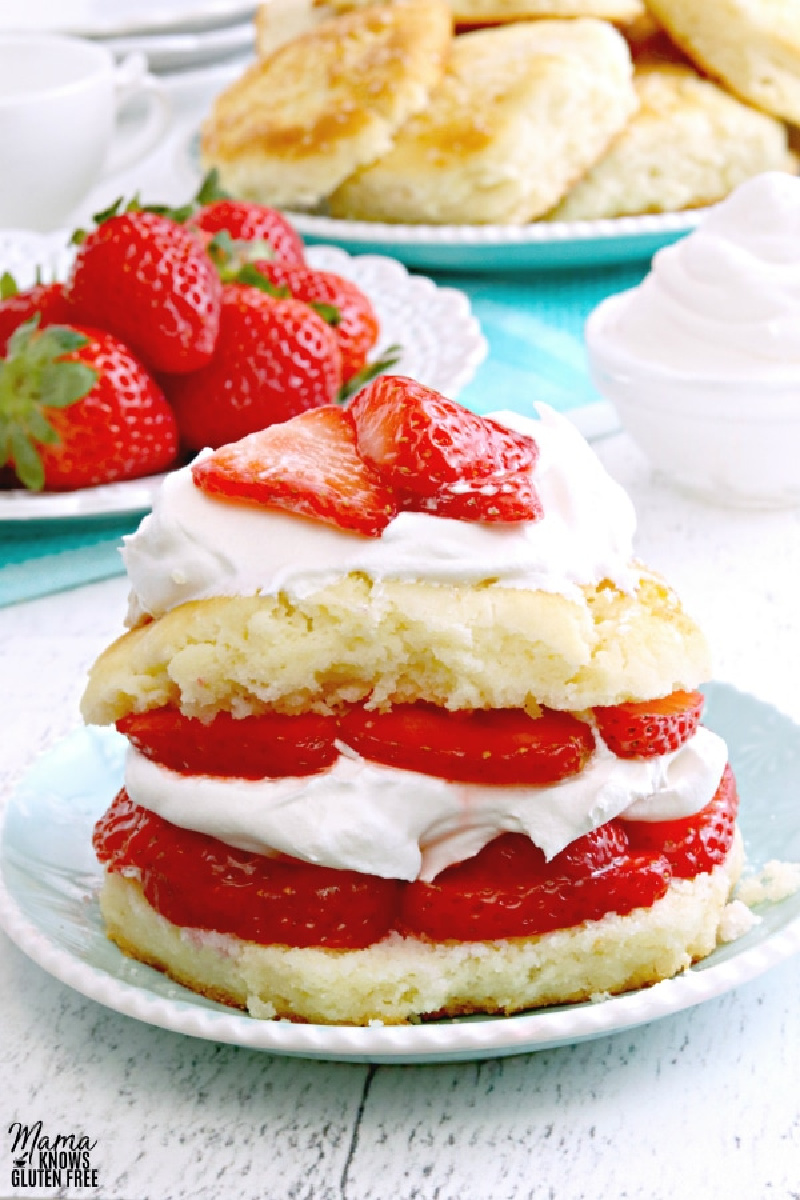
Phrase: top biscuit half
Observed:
(521, 113)
(302, 119)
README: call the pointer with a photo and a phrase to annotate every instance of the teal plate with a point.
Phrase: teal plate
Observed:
(540, 246)
(49, 880)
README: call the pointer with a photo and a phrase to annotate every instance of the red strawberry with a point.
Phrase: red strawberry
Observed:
(422, 440)
(149, 281)
(693, 844)
(309, 466)
(448, 460)
(342, 303)
(499, 746)
(273, 360)
(509, 498)
(651, 727)
(77, 409)
(43, 299)
(269, 744)
(244, 221)
(509, 890)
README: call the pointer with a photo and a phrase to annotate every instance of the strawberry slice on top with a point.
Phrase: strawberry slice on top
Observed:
(650, 728)
(309, 466)
(424, 441)
(443, 458)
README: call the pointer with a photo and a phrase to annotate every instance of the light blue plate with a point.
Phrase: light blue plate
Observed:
(49, 880)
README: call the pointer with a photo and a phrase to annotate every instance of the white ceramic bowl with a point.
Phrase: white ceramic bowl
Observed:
(731, 441)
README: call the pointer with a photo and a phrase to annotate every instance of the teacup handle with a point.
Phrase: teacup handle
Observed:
(133, 80)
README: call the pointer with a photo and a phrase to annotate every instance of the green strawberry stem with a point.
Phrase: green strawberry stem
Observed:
(390, 357)
(33, 379)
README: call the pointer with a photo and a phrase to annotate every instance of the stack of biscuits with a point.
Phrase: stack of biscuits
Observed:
(505, 112)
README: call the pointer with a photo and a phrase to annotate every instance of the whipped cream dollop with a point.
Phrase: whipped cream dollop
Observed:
(193, 546)
(378, 820)
(724, 300)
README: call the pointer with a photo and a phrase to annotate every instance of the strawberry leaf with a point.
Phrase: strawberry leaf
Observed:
(27, 463)
(210, 189)
(8, 286)
(64, 383)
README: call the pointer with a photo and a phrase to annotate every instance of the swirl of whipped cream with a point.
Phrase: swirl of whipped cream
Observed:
(360, 816)
(193, 546)
(725, 300)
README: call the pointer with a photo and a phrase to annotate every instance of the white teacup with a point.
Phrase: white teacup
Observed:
(60, 99)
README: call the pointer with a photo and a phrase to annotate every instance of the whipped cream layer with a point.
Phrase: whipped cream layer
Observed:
(725, 300)
(397, 824)
(193, 547)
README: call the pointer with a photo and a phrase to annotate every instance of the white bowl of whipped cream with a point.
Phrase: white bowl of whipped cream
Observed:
(702, 359)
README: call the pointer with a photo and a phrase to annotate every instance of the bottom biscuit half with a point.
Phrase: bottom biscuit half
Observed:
(404, 979)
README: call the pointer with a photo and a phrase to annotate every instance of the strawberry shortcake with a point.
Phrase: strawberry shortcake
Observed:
(411, 732)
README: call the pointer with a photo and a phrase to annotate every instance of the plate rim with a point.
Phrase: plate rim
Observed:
(207, 14)
(470, 1038)
(496, 236)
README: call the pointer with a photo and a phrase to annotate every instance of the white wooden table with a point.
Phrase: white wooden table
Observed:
(701, 1104)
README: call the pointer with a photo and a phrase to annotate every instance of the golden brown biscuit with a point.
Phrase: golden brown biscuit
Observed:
(324, 103)
(690, 144)
(522, 111)
(460, 647)
(399, 979)
(752, 46)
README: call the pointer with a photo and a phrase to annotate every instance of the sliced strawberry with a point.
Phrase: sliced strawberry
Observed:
(489, 501)
(255, 747)
(309, 466)
(201, 883)
(693, 844)
(651, 727)
(509, 890)
(423, 441)
(43, 300)
(496, 746)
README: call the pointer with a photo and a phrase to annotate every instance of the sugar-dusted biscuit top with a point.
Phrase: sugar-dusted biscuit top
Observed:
(304, 117)
(521, 112)
(689, 144)
(752, 46)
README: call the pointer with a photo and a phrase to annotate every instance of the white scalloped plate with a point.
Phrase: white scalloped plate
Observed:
(49, 880)
(442, 347)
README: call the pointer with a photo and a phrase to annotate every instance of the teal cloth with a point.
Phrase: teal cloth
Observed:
(534, 327)
(533, 323)
(42, 558)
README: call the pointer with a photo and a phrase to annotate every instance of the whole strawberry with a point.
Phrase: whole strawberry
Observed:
(340, 301)
(274, 359)
(78, 409)
(247, 222)
(149, 281)
(16, 307)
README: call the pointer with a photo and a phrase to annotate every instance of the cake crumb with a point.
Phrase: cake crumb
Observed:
(775, 882)
(735, 921)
